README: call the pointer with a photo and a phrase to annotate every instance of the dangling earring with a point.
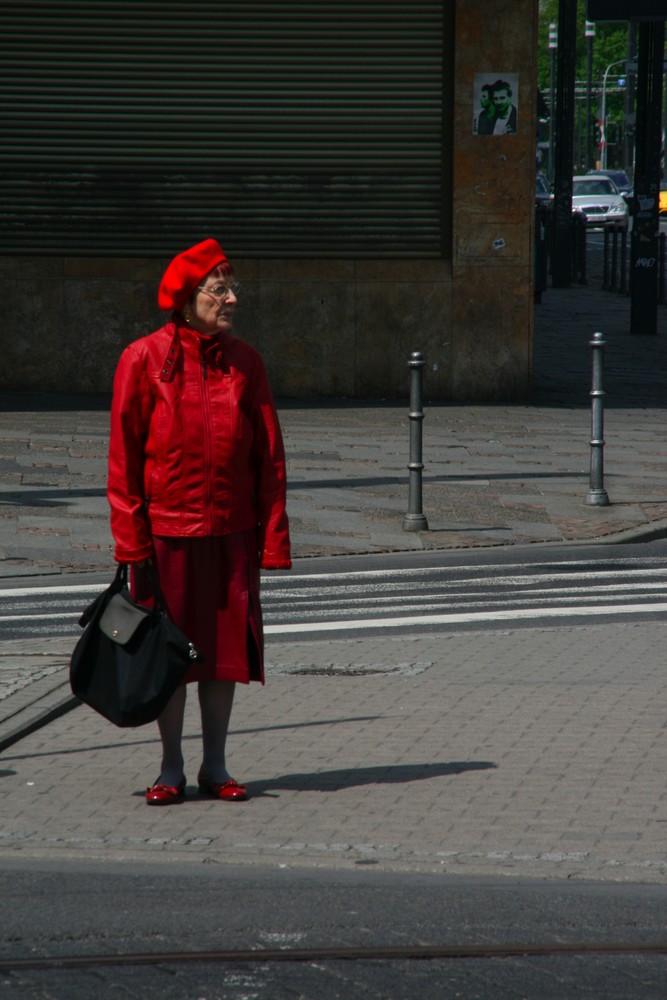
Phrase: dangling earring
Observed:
(187, 314)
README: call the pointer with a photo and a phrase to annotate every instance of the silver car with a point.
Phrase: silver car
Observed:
(599, 199)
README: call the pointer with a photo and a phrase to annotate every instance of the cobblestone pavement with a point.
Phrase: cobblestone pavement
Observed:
(534, 752)
(539, 753)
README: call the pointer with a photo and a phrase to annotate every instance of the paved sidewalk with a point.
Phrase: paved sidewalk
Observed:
(535, 753)
(463, 755)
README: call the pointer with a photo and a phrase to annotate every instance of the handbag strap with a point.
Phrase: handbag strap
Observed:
(120, 581)
(158, 596)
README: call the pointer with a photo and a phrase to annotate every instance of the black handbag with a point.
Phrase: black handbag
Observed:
(130, 658)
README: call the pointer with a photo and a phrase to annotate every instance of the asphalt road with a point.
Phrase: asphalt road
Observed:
(433, 590)
(78, 928)
(215, 932)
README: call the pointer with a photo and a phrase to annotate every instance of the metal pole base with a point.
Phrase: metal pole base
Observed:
(415, 522)
(598, 498)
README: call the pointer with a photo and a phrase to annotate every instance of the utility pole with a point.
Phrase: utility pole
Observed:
(562, 209)
(646, 228)
(629, 105)
(553, 45)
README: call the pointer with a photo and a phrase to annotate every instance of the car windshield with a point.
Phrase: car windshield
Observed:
(593, 186)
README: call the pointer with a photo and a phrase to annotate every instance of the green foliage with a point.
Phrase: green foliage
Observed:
(609, 46)
(609, 51)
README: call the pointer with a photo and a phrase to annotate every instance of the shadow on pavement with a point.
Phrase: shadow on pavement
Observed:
(393, 774)
(48, 498)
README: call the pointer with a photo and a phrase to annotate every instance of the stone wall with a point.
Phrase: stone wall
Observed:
(339, 328)
(324, 328)
(493, 213)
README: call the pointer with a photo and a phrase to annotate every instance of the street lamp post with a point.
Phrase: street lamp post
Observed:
(603, 125)
(589, 33)
(553, 46)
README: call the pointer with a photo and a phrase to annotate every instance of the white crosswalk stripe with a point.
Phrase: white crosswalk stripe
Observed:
(434, 596)
(445, 596)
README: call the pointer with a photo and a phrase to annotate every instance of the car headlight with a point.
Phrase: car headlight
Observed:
(619, 209)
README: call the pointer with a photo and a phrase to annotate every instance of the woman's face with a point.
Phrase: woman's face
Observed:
(214, 302)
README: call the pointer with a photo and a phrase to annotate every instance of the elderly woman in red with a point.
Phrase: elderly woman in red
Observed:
(197, 486)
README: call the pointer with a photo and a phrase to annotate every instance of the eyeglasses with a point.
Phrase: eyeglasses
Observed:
(222, 291)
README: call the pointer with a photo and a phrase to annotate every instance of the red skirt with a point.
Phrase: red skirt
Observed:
(211, 589)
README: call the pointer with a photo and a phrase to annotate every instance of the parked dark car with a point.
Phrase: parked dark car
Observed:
(620, 179)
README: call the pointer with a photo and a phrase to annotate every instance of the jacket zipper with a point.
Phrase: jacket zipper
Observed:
(208, 450)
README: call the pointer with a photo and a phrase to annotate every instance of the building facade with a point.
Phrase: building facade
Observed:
(335, 150)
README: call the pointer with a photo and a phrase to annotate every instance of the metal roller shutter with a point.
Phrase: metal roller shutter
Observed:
(285, 128)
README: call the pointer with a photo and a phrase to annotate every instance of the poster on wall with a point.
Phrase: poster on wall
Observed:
(495, 103)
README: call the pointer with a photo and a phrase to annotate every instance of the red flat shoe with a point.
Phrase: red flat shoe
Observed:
(227, 791)
(165, 795)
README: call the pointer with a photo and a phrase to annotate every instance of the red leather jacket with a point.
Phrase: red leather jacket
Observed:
(195, 446)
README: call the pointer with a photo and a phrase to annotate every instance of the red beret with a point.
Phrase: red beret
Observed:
(186, 271)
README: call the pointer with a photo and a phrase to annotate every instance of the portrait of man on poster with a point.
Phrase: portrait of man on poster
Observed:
(495, 107)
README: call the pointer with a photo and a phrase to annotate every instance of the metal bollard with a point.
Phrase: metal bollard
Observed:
(614, 257)
(581, 250)
(597, 494)
(541, 262)
(624, 262)
(605, 261)
(415, 520)
(584, 256)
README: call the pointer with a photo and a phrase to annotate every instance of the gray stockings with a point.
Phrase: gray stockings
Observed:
(215, 701)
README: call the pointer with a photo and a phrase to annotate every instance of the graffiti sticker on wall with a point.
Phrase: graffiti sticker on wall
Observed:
(495, 103)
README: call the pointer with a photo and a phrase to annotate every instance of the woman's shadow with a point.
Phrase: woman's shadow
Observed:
(391, 774)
